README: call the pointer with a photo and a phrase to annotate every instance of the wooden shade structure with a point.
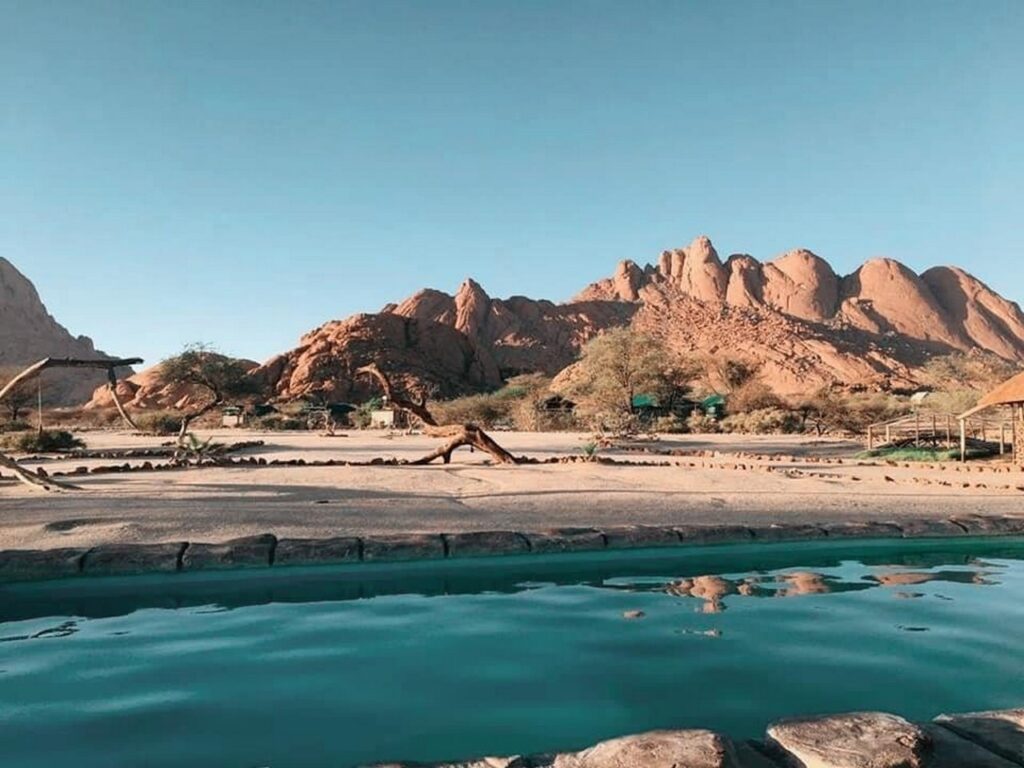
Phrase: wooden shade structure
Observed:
(1008, 394)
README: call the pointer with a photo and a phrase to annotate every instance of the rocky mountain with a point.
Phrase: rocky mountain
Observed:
(807, 326)
(423, 356)
(29, 333)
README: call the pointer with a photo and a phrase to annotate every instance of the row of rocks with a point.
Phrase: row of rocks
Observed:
(267, 550)
(253, 461)
(856, 740)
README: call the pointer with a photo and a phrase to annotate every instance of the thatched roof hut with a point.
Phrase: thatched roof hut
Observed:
(1008, 394)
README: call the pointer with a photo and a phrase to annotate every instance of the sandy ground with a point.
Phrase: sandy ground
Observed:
(793, 479)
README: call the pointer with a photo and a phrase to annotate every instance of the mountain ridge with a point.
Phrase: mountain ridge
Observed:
(807, 326)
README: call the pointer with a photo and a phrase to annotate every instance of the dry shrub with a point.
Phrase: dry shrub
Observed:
(752, 396)
(700, 423)
(669, 425)
(159, 423)
(763, 421)
(41, 441)
(279, 423)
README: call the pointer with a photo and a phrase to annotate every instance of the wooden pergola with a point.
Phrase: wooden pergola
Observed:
(1009, 394)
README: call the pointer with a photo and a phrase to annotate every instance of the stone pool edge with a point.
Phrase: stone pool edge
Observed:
(990, 739)
(267, 550)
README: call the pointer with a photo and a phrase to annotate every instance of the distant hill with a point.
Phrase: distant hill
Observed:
(807, 326)
(29, 333)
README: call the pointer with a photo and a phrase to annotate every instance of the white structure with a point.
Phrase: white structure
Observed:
(382, 419)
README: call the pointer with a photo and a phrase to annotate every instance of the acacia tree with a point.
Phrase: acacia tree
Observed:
(215, 378)
(620, 364)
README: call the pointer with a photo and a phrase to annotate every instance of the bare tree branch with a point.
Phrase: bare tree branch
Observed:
(458, 434)
(36, 479)
(63, 362)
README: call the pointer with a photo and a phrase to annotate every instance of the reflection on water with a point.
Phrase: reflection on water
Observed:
(712, 589)
(714, 575)
(346, 666)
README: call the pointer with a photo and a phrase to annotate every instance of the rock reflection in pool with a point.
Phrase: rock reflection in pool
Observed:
(360, 665)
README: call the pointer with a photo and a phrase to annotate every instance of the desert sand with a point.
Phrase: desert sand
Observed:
(749, 480)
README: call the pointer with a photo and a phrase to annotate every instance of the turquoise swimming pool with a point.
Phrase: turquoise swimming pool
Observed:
(343, 666)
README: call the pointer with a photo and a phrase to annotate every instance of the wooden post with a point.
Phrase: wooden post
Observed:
(963, 440)
(871, 437)
(949, 431)
(917, 430)
(1002, 439)
(888, 434)
(1016, 443)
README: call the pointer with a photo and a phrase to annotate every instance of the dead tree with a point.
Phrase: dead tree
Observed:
(37, 479)
(457, 435)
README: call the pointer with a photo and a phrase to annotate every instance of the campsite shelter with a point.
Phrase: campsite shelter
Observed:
(1009, 394)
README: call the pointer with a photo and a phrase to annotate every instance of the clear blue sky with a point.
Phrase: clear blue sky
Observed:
(240, 172)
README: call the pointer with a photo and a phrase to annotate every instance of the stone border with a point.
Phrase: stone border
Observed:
(266, 550)
(992, 739)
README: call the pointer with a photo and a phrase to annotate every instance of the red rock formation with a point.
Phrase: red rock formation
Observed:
(421, 356)
(806, 326)
(147, 390)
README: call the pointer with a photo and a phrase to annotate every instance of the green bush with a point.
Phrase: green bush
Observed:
(15, 426)
(912, 453)
(159, 423)
(46, 441)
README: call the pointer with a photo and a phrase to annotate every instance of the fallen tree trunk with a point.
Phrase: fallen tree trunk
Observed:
(458, 434)
(40, 479)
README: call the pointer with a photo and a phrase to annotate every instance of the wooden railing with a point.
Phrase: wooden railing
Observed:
(929, 428)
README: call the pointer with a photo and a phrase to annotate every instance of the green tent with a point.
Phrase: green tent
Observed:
(713, 406)
(645, 401)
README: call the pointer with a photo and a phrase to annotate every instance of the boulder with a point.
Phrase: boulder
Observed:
(999, 731)
(245, 552)
(483, 543)
(403, 546)
(991, 525)
(656, 749)
(342, 549)
(866, 530)
(566, 540)
(638, 536)
(787, 532)
(952, 751)
(110, 559)
(924, 529)
(25, 564)
(713, 534)
(854, 740)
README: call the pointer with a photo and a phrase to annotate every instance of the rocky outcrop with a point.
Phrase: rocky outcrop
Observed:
(149, 390)
(524, 335)
(806, 326)
(29, 333)
(422, 356)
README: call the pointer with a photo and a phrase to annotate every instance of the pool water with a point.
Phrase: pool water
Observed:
(351, 665)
